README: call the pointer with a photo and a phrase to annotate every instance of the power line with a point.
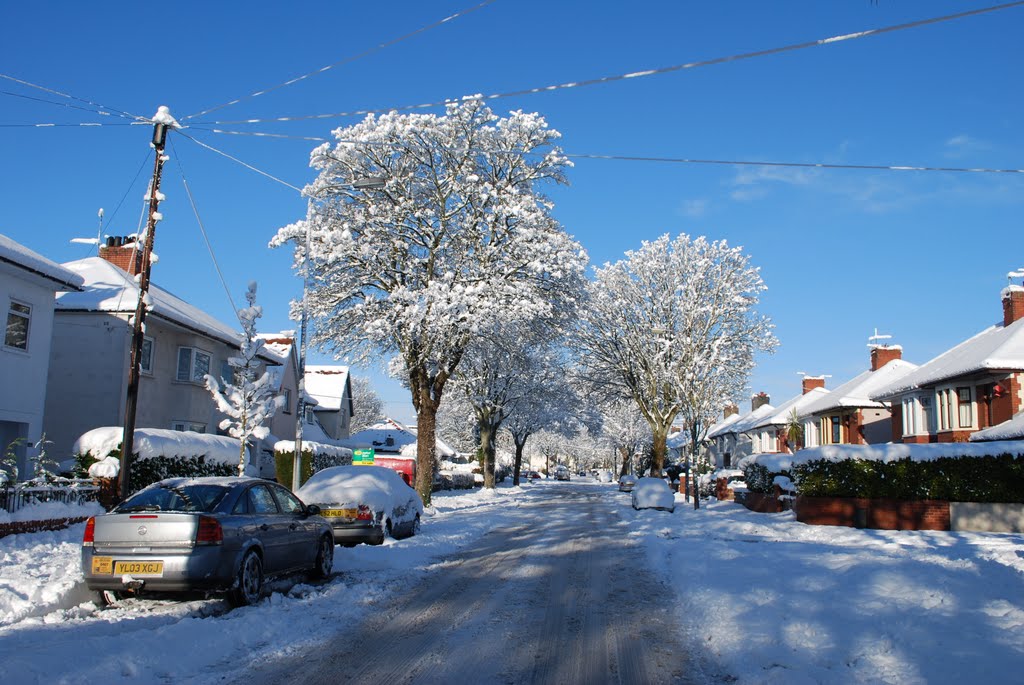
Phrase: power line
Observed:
(648, 72)
(675, 160)
(52, 102)
(347, 60)
(202, 230)
(245, 164)
(138, 173)
(84, 124)
(72, 97)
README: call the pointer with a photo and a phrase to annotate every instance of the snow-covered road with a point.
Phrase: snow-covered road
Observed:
(757, 598)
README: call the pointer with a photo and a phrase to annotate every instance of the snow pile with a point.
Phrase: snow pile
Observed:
(887, 453)
(45, 511)
(157, 442)
(288, 447)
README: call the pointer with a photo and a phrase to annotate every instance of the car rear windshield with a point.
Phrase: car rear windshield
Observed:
(166, 498)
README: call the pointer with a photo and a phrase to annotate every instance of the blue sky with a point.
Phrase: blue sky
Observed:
(919, 255)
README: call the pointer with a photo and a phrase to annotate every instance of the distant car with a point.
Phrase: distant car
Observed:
(604, 476)
(653, 493)
(208, 534)
(562, 474)
(627, 482)
(364, 503)
(533, 475)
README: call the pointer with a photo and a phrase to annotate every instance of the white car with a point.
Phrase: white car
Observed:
(653, 493)
(604, 476)
(364, 503)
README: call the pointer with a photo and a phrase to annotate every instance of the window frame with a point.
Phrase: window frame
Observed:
(193, 354)
(963, 406)
(26, 316)
(143, 367)
(188, 426)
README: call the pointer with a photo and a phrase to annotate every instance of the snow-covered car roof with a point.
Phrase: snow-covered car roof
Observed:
(653, 493)
(376, 486)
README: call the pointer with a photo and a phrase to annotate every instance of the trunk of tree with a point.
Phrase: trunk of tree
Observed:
(626, 457)
(426, 442)
(693, 478)
(517, 466)
(660, 434)
(487, 448)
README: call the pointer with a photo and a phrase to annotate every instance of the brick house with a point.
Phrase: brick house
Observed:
(771, 434)
(848, 415)
(729, 440)
(976, 385)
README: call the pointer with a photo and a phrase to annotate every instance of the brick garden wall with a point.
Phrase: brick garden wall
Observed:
(880, 514)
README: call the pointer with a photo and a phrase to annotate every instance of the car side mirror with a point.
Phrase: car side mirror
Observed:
(312, 510)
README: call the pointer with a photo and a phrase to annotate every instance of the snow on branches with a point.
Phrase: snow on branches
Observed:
(246, 400)
(673, 326)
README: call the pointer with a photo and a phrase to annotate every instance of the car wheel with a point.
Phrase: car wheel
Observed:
(388, 532)
(415, 526)
(324, 558)
(109, 598)
(249, 584)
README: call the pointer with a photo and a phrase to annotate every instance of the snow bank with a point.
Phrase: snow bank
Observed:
(45, 511)
(286, 446)
(157, 442)
(888, 453)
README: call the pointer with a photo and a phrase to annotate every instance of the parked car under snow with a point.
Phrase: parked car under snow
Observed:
(364, 503)
(653, 493)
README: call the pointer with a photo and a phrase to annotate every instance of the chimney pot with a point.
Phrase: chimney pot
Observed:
(812, 382)
(883, 354)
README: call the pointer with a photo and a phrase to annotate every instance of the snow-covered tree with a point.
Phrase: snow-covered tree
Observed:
(667, 316)
(457, 238)
(247, 401)
(625, 430)
(367, 406)
(545, 401)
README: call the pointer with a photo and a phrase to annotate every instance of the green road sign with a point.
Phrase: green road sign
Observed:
(363, 457)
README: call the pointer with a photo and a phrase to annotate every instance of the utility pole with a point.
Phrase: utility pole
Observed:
(162, 121)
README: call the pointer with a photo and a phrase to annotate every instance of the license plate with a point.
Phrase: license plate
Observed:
(139, 568)
(339, 513)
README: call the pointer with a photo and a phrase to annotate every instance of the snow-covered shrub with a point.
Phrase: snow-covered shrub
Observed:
(997, 478)
(144, 472)
(760, 478)
(315, 457)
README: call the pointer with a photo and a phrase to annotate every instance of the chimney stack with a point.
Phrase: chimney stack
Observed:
(1013, 304)
(883, 354)
(730, 410)
(759, 400)
(123, 252)
(812, 382)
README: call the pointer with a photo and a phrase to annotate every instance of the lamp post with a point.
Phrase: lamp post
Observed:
(367, 183)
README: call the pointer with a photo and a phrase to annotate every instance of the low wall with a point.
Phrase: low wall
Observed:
(17, 527)
(760, 502)
(882, 514)
(986, 517)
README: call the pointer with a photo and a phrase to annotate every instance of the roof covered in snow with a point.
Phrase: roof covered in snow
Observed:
(391, 436)
(857, 393)
(326, 384)
(995, 348)
(1007, 430)
(720, 427)
(742, 423)
(108, 288)
(784, 411)
(17, 255)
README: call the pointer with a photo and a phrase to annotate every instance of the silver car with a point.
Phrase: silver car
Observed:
(209, 534)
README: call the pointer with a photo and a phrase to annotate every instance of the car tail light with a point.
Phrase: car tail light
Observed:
(364, 513)
(209, 531)
(90, 531)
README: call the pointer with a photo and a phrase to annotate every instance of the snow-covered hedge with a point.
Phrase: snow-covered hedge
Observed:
(316, 456)
(159, 454)
(956, 472)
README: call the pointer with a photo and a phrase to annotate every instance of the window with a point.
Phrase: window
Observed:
(146, 360)
(18, 316)
(188, 426)
(963, 400)
(910, 416)
(309, 414)
(261, 501)
(927, 417)
(836, 428)
(946, 410)
(287, 392)
(193, 364)
(288, 502)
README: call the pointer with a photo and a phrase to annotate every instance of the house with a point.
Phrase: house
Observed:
(391, 437)
(728, 440)
(976, 385)
(848, 415)
(771, 433)
(91, 349)
(331, 388)
(28, 283)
